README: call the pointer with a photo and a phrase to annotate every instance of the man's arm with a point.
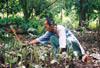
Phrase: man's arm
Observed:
(43, 39)
(33, 42)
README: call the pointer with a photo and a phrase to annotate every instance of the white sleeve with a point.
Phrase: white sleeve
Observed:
(62, 37)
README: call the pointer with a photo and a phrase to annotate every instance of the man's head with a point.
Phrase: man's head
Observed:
(49, 24)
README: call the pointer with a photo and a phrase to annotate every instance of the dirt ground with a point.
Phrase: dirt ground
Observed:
(89, 43)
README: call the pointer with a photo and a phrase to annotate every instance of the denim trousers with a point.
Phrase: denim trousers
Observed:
(71, 44)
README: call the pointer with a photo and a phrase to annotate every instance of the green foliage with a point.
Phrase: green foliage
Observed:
(83, 30)
(30, 6)
(13, 6)
(33, 8)
(90, 8)
(2, 6)
(16, 55)
(40, 29)
(11, 20)
(34, 23)
(5, 36)
(19, 22)
(15, 60)
(93, 25)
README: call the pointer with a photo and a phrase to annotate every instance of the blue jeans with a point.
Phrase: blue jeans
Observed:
(70, 44)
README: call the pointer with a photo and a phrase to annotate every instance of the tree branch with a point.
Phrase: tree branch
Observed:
(47, 8)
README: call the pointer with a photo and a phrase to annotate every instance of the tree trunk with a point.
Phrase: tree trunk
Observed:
(88, 15)
(7, 9)
(82, 18)
(24, 3)
(98, 37)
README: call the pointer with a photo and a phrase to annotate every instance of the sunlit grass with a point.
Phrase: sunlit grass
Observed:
(93, 25)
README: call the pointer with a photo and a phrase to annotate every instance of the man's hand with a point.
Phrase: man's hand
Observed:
(25, 44)
(30, 43)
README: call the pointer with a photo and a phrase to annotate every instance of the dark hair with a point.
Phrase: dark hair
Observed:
(50, 21)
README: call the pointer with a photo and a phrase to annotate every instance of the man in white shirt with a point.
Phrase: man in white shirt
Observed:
(60, 38)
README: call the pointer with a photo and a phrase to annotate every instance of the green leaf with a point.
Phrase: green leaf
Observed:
(99, 13)
(40, 28)
(15, 60)
(8, 59)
